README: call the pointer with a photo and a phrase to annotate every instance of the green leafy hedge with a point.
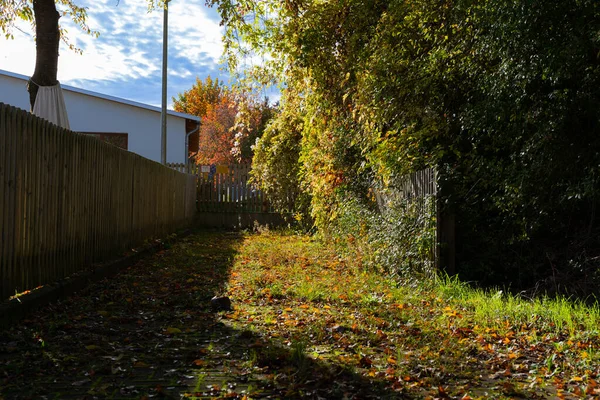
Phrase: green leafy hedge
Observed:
(501, 96)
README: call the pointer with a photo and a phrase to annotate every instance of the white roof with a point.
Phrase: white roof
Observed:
(107, 97)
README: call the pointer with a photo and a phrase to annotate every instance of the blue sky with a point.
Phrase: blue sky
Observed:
(126, 60)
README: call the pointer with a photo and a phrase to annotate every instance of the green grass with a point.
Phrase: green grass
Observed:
(419, 336)
(200, 382)
(493, 308)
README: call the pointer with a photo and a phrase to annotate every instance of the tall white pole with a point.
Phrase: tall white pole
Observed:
(163, 114)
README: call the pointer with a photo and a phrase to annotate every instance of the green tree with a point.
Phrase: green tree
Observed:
(276, 168)
(252, 119)
(501, 96)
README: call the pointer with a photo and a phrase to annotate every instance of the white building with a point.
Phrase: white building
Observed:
(128, 124)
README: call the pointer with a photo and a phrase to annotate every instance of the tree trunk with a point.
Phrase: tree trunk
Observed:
(46, 45)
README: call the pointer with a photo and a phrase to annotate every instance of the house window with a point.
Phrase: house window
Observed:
(116, 139)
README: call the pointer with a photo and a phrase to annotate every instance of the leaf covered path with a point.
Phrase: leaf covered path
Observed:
(149, 332)
(304, 325)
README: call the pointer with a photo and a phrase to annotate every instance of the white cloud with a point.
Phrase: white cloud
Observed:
(129, 47)
(180, 73)
(193, 34)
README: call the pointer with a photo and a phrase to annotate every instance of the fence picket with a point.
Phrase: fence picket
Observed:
(67, 200)
(229, 191)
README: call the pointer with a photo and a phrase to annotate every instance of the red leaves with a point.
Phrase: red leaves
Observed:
(199, 363)
(592, 388)
(442, 394)
(365, 362)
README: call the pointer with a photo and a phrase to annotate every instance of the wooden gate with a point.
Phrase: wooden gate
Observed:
(225, 188)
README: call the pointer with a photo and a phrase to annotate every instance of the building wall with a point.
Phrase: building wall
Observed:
(94, 114)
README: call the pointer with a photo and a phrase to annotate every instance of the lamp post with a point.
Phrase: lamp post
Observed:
(163, 113)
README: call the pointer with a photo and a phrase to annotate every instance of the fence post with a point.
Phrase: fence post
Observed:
(445, 229)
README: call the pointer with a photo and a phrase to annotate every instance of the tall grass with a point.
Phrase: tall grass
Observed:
(495, 309)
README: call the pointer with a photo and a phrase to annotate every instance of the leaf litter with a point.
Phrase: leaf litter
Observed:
(305, 324)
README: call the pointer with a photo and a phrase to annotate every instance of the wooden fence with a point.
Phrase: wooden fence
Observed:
(67, 200)
(185, 168)
(225, 188)
(417, 186)
(421, 190)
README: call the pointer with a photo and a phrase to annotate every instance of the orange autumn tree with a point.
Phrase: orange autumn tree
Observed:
(216, 133)
(196, 100)
(231, 121)
(214, 103)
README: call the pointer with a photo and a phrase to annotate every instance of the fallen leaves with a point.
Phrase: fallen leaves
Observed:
(304, 325)
(172, 330)
(418, 338)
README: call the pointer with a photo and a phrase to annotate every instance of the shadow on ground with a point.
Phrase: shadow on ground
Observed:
(149, 332)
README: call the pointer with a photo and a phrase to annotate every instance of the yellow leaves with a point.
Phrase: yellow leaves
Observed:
(172, 330)
(140, 364)
(489, 348)
(235, 316)
(103, 313)
(396, 335)
(92, 347)
(352, 360)
(449, 312)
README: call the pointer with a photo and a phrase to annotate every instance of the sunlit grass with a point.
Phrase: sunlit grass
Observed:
(301, 268)
(296, 287)
(494, 308)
